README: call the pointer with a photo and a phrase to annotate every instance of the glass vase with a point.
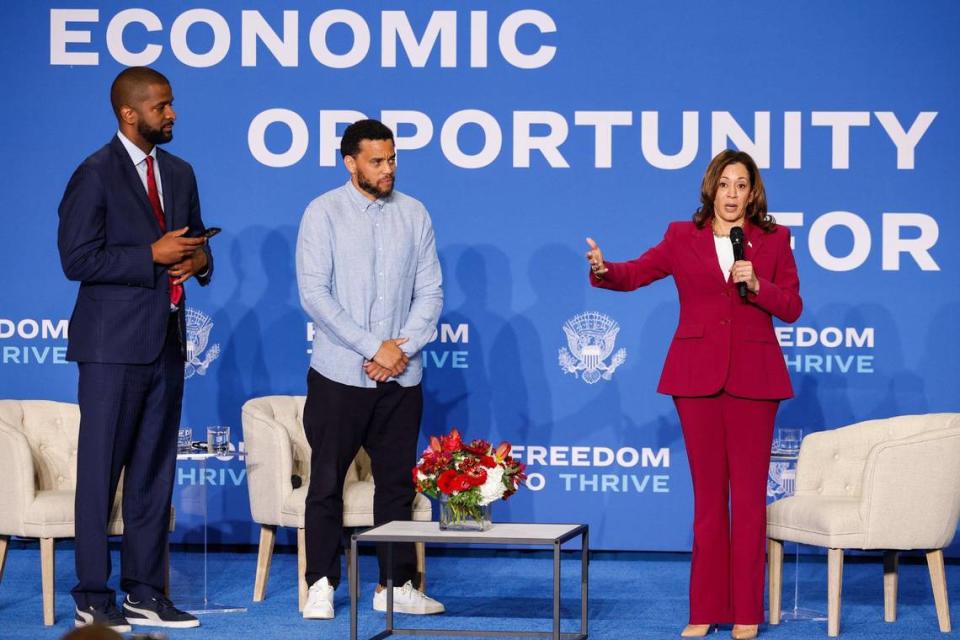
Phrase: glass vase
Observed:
(454, 517)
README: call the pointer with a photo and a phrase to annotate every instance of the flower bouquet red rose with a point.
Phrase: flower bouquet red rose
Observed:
(467, 477)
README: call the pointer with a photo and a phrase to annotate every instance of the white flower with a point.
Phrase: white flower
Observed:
(492, 489)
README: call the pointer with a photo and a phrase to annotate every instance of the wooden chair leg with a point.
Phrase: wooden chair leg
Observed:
(834, 586)
(891, 565)
(301, 568)
(47, 572)
(938, 580)
(268, 536)
(4, 544)
(775, 577)
(421, 550)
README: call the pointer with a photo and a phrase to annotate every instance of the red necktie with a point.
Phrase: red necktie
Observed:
(176, 290)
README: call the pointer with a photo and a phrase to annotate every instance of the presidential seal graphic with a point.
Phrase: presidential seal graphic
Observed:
(781, 479)
(591, 337)
(199, 326)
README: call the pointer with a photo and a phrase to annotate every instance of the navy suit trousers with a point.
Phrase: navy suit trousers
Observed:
(129, 416)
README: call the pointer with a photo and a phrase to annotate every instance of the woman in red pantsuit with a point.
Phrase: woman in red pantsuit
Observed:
(727, 376)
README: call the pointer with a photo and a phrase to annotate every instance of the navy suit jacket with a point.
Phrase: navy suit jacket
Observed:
(106, 229)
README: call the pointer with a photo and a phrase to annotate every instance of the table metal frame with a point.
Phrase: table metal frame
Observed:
(430, 532)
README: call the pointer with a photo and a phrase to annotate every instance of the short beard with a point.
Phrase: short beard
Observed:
(154, 136)
(372, 188)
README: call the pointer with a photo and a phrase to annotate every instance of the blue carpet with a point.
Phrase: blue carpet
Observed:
(632, 595)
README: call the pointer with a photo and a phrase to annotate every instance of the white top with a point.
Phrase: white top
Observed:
(724, 254)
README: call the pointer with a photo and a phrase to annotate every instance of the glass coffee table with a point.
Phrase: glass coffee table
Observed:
(514, 534)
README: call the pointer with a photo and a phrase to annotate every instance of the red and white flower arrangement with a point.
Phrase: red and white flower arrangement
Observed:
(471, 475)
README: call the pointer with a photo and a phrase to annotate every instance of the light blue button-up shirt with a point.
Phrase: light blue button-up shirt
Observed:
(367, 271)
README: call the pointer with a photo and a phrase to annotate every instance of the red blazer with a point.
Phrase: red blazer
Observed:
(721, 341)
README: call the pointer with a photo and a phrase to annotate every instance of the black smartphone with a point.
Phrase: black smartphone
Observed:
(210, 232)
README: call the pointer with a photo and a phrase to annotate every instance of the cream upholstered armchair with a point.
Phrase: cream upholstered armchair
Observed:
(891, 485)
(276, 450)
(38, 475)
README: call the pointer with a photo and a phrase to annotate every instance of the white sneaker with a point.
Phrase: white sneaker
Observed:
(406, 599)
(319, 601)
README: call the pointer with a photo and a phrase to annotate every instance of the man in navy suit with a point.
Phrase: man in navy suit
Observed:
(130, 233)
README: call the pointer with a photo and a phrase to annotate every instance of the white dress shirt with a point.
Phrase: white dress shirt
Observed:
(139, 159)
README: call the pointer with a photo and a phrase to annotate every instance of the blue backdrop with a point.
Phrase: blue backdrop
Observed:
(524, 127)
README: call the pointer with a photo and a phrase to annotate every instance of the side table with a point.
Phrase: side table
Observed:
(781, 482)
(553, 535)
(191, 601)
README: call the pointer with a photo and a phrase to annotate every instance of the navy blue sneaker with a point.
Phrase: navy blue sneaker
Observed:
(106, 615)
(157, 612)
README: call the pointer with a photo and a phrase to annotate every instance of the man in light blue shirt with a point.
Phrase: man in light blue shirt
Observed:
(370, 280)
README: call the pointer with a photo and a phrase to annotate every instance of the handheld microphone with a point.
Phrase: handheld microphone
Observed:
(736, 239)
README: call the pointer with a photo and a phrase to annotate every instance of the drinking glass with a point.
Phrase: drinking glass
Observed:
(218, 439)
(184, 440)
(788, 440)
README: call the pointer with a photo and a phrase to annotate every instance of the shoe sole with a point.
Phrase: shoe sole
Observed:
(175, 624)
(409, 612)
(318, 616)
(120, 628)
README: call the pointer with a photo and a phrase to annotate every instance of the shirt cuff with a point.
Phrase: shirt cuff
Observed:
(369, 347)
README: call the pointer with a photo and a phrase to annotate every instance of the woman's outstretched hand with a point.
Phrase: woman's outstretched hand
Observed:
(595, 258)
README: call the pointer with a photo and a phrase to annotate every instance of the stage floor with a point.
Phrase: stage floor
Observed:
(632, 595)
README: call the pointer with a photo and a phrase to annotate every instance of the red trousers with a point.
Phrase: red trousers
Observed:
(728, 445)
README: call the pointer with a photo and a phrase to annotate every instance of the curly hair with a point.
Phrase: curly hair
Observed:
(362, 130)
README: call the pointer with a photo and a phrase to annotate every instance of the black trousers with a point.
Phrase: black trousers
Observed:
(339, 419)
(129, 416)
